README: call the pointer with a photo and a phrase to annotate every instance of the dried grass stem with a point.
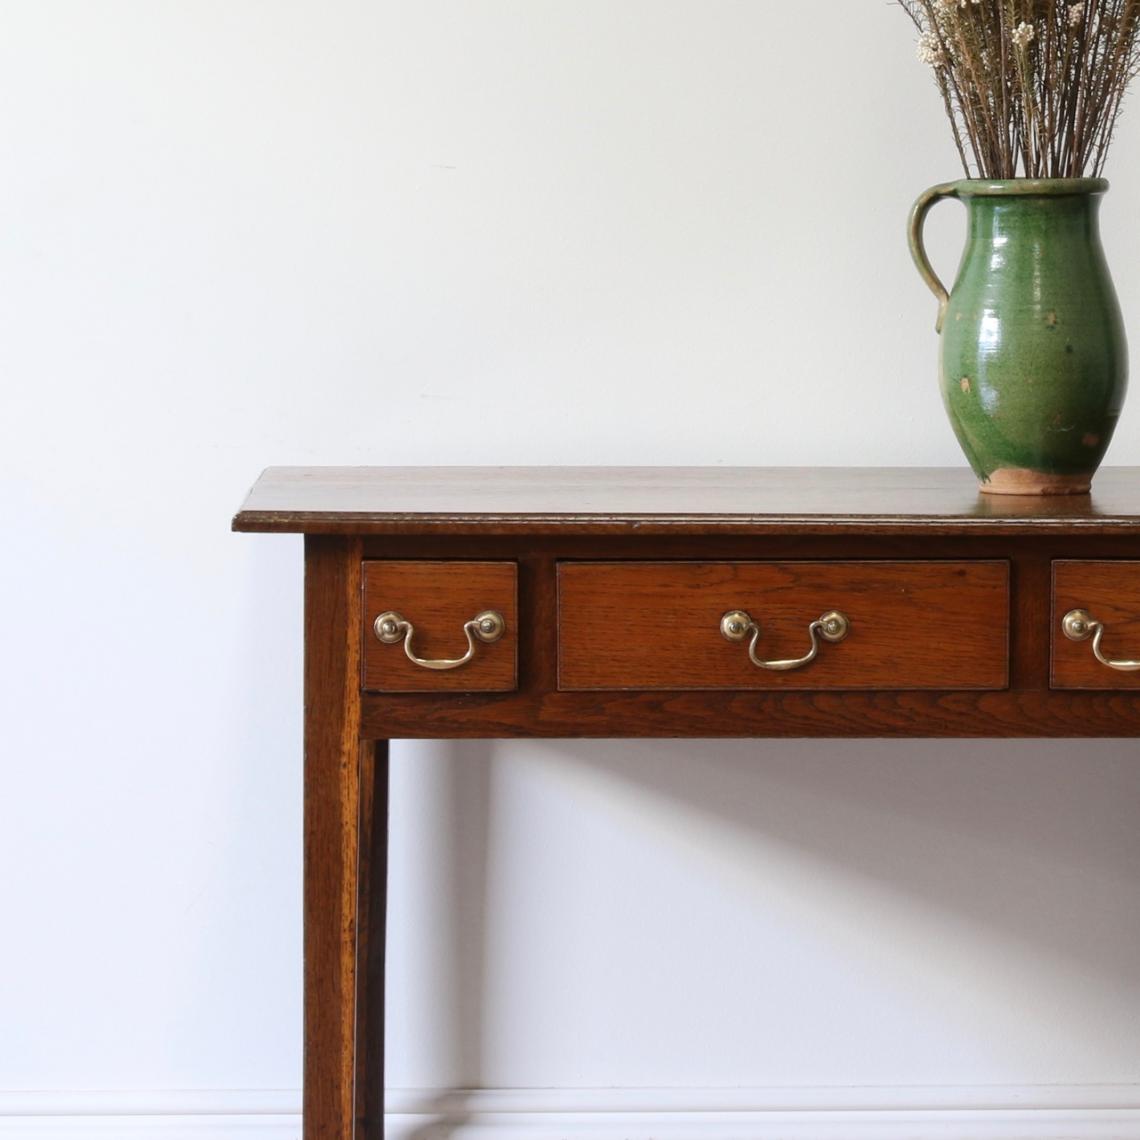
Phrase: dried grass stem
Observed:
(1032, 88)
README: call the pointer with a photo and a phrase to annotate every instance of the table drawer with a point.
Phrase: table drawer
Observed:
(459, 620)
(1096, 611)
(659, 625)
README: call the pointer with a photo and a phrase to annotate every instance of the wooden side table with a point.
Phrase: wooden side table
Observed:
(629, 602)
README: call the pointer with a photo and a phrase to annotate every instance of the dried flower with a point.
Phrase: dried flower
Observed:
(929, 50)
(1023, 35)
(1032, 88)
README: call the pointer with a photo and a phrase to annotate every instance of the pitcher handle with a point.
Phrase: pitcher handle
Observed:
(918, 249)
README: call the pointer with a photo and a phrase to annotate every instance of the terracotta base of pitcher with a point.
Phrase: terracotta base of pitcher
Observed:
(1022, 481)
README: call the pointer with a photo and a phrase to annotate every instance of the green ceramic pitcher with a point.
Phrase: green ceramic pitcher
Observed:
(1034, 361)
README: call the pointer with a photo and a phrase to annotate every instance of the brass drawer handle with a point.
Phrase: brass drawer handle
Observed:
(736, 625)
(1079, 625)
(487, 627)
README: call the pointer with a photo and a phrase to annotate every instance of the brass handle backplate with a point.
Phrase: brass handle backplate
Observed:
(486, 627)
(737, 625)
(1080, 625)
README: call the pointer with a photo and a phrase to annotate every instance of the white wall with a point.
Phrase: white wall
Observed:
(244, 232)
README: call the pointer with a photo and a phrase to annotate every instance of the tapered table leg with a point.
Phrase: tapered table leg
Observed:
(370, 944)
(334, 760)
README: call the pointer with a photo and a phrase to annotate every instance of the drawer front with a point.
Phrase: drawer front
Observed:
(459, 619)
(910, 625)
(1106, 595)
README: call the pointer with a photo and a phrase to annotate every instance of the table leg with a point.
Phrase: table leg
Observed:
(370, 943)
(334, 760)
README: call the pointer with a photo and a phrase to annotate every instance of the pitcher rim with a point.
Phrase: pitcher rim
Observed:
(1029, 187)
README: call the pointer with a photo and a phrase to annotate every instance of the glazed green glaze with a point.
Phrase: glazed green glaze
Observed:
(1034, 362)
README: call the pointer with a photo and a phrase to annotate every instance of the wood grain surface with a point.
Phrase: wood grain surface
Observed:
(372, 925)
(716, 714)
(656, 625)
(438, 598)
(674, 500)
(1110, 592)
(334, 755)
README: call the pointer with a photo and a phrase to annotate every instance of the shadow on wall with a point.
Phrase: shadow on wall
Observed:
(990, 830)
(1034, 841)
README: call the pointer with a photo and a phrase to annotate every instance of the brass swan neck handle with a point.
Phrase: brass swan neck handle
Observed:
(1080, 625)
(486, 627)
(737, 625)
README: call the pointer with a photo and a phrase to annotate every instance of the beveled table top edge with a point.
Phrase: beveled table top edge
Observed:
(674, 500)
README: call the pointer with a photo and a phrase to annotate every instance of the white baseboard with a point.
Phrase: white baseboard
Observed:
(211, 1127)
(1046, 1112)
(208, 1114)
(1036, 1113)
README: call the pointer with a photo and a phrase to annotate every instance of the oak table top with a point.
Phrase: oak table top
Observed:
(669, 500)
